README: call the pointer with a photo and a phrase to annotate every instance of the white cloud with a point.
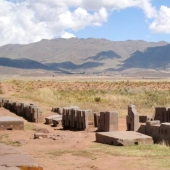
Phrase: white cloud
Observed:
(67, 35)
(161, 23)
(26, 21)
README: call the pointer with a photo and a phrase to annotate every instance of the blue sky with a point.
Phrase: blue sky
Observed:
(27, 21)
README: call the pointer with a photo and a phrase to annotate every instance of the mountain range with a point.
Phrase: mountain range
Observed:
(87, 55)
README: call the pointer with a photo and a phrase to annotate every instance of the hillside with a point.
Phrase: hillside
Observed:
(86, 55)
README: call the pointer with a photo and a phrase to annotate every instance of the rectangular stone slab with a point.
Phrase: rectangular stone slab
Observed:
(123, 138)
(11, 123)
(48, 120)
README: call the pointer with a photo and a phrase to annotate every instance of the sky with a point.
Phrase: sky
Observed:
(28, 21)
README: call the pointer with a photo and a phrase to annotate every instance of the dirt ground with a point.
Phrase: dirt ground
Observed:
(71, 149)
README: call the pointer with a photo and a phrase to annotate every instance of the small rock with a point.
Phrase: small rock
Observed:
(40, 135)
(43, 130)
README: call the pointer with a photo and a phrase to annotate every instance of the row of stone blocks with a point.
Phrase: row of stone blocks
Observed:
(29, 111)
(75, 118)
(160, 132)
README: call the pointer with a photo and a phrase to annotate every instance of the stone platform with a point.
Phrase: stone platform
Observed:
(11, 123)
(123, 138)
(12, 158)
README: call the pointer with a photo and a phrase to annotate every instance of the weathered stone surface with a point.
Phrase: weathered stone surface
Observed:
(153, 123)
(132, 119)
(13, 157)
(108, 121)
(11, 123)
(29, 111)
(164, 133)
(96, 119)
(58, 110)
(162, 114)
(57, 122)
(75, 118)
(48, 120)
(144, 119)
(123, 138)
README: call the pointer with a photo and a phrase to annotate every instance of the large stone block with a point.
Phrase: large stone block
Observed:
(164, 133)
(161, 113)
(11, 123)
(108, 121)
(48, 120)
(124, 138)
(111, 121)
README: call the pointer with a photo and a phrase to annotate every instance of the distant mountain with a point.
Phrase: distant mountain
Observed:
(86, 55)
(104, 55)
(151, 58)
(24, 63)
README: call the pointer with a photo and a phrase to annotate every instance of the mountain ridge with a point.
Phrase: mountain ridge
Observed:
(86, 55)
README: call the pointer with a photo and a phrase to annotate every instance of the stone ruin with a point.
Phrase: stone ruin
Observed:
(75, 118)
(30, 112)
(72, 118)
(158, 127)
(106, 121)
(58, 110)
(123, 138)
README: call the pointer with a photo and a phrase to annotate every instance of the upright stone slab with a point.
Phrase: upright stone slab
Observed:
(13, 158)
(132, 119)
(1, 102)
(18, 109)
(65, 117)
(111, 121)
(102, 122)
(161, 113)
(164, 133)
(152, 129)
(87, 119)
(96, 119)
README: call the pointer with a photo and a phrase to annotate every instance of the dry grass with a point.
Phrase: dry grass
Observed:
(155, 156)
(1, 92)
(5, 139)
(98, 96)
(150, 156)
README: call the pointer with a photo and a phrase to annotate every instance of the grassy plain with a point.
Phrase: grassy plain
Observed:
(97, 95)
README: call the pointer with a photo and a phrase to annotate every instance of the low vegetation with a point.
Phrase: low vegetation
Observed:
(97, 95)
(6, 140)
(1, 92)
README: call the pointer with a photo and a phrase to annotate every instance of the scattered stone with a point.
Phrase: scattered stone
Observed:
(43, 130)
(40, 135)
(22, 141)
